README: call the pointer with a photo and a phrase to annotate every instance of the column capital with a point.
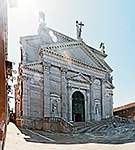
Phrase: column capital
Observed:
(103, 81)
(92, 78)
(64, 70)
(69, 87)
(24, 78)
(46, 66)
(41, 82)
(88, 90)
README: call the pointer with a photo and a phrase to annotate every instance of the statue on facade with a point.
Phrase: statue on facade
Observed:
(42, 25)
(102, 47)
(79, 29)
(41, 17)
(109, 77)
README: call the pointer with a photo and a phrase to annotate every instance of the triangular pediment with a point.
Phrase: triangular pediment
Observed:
(79, 50)
(75, 51)
(79, 78)
(34, 66)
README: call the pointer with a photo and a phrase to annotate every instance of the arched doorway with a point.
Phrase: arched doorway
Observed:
(78, 109)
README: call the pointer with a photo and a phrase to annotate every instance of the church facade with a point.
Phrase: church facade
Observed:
(64, 77)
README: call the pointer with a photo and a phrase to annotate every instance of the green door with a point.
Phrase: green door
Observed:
(78, 110)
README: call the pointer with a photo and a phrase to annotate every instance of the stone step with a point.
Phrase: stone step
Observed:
(99, 128)
(92, 129)
(83, 130)
(84, 127)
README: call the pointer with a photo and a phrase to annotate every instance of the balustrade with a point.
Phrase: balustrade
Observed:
(62, 122)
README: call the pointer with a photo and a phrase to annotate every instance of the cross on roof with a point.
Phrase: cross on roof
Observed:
(79, 29)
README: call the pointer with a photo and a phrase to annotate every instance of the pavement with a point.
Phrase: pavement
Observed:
(31, 140)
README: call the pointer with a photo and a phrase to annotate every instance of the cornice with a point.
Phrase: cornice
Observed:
(91, 54)
(30, 69)
(97, 52)
(59, 46)
(110, 84)
(77, 80)
(111, 70)
(33, 63)
(26, 38)
(61, 36)
(72, 77)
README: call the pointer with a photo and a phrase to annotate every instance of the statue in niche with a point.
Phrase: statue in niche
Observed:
(54, 106)
(96, 109)
(79, 29)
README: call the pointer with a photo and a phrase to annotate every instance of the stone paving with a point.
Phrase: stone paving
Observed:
(116, 138)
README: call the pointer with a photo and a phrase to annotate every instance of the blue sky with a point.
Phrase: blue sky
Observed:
(110, 21)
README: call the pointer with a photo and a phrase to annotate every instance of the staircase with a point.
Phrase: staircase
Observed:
(98, 126)
(104, 126)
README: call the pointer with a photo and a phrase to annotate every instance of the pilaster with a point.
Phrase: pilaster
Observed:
(92, 97)
(103, 98)
(111, 104)
(46, 70)
(42, 97)
(69, 99)
(25, 95)
(88, 105)
(63, 93)
(28, 97)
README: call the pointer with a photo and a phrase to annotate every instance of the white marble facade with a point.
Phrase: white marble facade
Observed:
(64, 77)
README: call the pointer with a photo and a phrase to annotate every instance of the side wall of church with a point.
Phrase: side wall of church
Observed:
(36, 99)
(32, 95)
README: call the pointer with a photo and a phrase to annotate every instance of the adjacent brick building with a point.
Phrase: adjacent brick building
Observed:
(3, 57)
(5, 66)
(127, 111)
